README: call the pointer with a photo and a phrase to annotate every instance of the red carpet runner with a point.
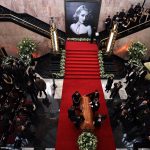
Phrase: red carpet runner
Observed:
(82, 74)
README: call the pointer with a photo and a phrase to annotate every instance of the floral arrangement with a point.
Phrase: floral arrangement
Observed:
(102, 71)
(7, 62)
(78, 39)
(62, 65)
(87, 141)
(26, 48)
(136, 53)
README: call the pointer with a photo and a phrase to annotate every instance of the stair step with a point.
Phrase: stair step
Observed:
(82, 59)
(55, 68)
(55, 62)
(82, 69)
(82, 65)
(111, 70)
(82, 73)
(81, 77)
(81, 56)
(80, 45)
(72, 62)
(81, 52)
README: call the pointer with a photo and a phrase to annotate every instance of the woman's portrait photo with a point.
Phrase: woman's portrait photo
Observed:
(80, 18)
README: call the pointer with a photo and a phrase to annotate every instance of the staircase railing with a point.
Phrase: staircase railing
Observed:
(114, 64)
(127, 32)
(29, 22)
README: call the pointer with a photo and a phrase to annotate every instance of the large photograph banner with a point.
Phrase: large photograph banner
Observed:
(81, 18)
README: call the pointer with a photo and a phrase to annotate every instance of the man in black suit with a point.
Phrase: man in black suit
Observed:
(137, 8)
(108, 24)
(93, 95)
(93, 34)
(109, 83)
(115, 18)
(71, 113)
(76, 99)
(115, 90)
(95, 105)
(130, 13)
(75, 118)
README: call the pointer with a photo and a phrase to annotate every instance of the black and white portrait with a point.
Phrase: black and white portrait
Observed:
(81, 17)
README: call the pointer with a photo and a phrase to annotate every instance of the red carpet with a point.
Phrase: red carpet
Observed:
(82, 74)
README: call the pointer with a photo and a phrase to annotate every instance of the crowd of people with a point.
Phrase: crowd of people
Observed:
(75, 111)
(126, 19)
(19, 89)
(134, 112)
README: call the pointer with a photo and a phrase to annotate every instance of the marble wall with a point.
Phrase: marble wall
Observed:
(121, 46)
(41, 9)
(11, 34)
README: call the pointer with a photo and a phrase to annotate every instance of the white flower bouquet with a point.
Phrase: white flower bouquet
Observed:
(87, 141)
(26, 48)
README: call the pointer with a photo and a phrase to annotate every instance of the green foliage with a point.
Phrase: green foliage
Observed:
(78, 39)
(136, 53)
(87, 141)
(62, 65)
(26, 48)
(101, 64)
(8, 60)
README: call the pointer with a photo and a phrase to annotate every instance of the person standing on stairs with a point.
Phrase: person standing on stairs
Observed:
(93, 34)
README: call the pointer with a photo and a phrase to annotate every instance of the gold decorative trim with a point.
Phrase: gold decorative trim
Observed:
(54, 37)
(27, 23)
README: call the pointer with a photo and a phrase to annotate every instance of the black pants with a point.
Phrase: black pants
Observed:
(92, 38)
(138, 145)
